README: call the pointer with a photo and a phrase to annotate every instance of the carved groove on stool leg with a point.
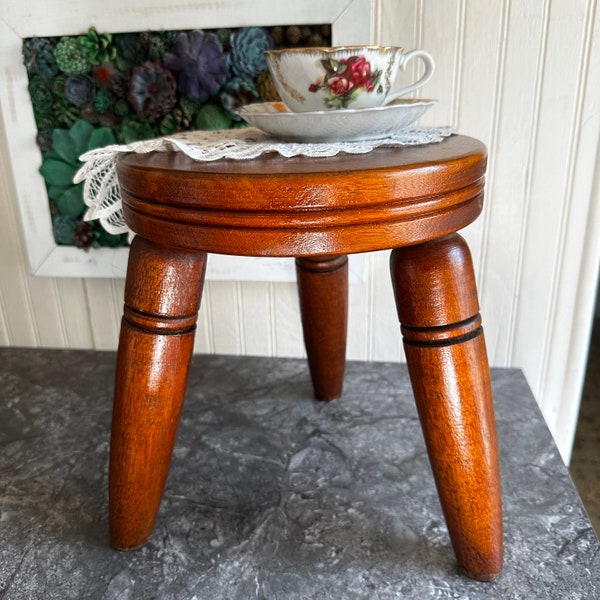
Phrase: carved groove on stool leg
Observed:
(162, 298)
(436, 298)
(323, 291)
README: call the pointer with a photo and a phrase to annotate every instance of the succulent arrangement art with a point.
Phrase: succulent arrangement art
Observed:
(98, 89)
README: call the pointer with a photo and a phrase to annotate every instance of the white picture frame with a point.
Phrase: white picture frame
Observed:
(352, 22)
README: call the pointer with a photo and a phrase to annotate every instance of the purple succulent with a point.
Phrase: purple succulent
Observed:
(247, 47)
(79, 89)
(199, 63)
(153, 91)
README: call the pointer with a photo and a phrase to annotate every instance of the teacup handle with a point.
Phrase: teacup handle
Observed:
(429, 68)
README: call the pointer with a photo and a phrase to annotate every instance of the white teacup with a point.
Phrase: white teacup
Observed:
(343, 77)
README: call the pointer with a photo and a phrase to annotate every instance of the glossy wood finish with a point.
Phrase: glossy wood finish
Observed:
(323, 290)
(436, 297)
(412, 200)
(162, 298)
(275, 206)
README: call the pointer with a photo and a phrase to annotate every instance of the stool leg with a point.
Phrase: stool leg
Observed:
(162, 297)
(436, 297)
(323, 290)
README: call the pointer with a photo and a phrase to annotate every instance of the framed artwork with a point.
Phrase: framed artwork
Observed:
(352, 22)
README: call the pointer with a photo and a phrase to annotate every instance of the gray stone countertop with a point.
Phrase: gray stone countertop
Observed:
(271, 495)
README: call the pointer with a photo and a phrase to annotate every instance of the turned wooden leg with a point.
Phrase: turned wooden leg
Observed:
(323, 289)
(162, 297)
(436, 297)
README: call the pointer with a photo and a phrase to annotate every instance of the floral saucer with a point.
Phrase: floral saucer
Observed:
(350, 125)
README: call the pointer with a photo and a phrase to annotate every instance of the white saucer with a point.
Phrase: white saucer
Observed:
(349, 125)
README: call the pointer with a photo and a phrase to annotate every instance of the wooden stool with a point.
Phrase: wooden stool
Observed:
(411, 200)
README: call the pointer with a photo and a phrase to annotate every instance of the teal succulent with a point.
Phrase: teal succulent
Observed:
(103, 100)
(247, 51)
(38, 57)
(63, 228)
(62, 162)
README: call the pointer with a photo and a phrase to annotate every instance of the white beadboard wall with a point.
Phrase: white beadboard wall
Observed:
(522, 76)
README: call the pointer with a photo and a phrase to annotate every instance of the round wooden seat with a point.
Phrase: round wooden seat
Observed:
(411, 200)
(276, 206)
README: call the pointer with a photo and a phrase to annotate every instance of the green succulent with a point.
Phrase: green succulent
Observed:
(211, 116)
(46, 121)
(189, 107)
(121, 107)
(62, 162)
(97, 47)
(157, 46)
(130, 51)
(41, 95)
(133, 129)
(172, 122)
(70, 57)
(65, 112)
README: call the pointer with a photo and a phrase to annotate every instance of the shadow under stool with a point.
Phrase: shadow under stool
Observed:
(411, 200)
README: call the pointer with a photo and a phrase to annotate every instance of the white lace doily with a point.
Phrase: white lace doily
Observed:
(101, 191)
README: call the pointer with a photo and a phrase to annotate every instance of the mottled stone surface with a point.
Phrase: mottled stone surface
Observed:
(270, 495)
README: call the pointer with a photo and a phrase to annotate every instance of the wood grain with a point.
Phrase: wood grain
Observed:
(162, 298)
(436, 296)
(318, 210)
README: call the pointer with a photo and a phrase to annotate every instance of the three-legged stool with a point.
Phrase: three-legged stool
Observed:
(411, 200)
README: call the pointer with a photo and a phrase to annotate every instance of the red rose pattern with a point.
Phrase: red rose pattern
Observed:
(345, 80)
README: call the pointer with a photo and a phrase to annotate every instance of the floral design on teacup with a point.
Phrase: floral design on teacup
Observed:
(345, 80)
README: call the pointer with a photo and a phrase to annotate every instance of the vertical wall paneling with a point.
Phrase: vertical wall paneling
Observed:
(359, 311)
(73, 313)
(481, 74)
(204, 334)
(506, 200)
(563, 356)
(224, 309)
(533, 141)
(385, 329)
(4, 332)
(522, 76)
(549, 190)
(255, 314)
(102, 308)
(287, 324)
(440, 28)
(18, 312)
